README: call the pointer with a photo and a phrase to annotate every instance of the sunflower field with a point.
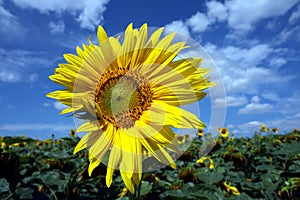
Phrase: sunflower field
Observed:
(261, 167)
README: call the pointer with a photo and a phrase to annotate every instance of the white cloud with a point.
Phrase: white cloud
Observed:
(47, 104)
(285, 34)
(178, 26)
(231, 101)
(277, 62)
(284, 124)
(216, 10)
(242, 15)
(19, 65)
(33, 77)
(270, 95)
(230, 126)
(255, 99)
(35, 127)
(297, 115)
(294, 18)
(288, 105)
(241, 67)
(8, 22)
(246, 57)
(58, 27)
(255, 107)
(10, 77)
(59, 106)
(89, 13)
(198, 22)
(252, 125)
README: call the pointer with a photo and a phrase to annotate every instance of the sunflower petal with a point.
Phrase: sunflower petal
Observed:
(162, 114)
(102, 36)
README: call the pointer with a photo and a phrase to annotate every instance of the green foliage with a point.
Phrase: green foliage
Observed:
(261, 167)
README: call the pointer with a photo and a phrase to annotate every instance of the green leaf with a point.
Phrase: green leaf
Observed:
(145, 188)
(24, 193)
(240, 197)
(5, 192)
(210, 177)
(293, 149)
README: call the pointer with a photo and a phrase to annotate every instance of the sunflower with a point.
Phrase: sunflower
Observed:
(275, 130)
(209, 163)
(295, 130)
(224, 132)
(200, 132)
(72, 133)
(231, 189)
(127, 90)
(263, 128)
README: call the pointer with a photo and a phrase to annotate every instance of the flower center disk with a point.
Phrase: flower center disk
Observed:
(122, 97)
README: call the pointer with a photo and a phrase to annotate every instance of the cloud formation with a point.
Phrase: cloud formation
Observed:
(89, 13)
(58, 27)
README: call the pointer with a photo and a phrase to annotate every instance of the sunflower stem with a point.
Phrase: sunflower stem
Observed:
(137, 192)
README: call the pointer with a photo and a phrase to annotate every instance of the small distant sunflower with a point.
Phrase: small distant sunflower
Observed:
(231, 189)
(180, 139)
(295, 131)
(209, 164)
(263, 128)
(275, 130)
(200, 132)
(128, 94)
(224, 132)
(73, 133)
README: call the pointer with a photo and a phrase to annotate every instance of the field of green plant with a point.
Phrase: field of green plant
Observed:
(261, 167)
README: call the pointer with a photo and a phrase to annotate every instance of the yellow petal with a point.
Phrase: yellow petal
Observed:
(162, 114)
(103, 143)
(89, 126)
(86, 141)
(154, 38)
(93, 164)
(128, 182)
(101, 34)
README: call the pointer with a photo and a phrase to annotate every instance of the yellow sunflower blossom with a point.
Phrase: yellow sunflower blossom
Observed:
(40, 188)
(275, 130)
(295, 131)
(128, 93)
(204, 158)
(2, 144)
(181, 139)
(263, 128)
(231, 189)
(200, 132)
(73, 133)
(224, 132)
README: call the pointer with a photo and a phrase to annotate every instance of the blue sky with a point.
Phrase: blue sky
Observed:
(255, 46)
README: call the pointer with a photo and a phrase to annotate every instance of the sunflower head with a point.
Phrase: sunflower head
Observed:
(231, 189)
(181, 139)
(263, 128)
(206, 161)
(275, 130)
(200, 132)
(187, 174)
(72, 133)
(129, 92)
(295, 131)
(224, 132)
